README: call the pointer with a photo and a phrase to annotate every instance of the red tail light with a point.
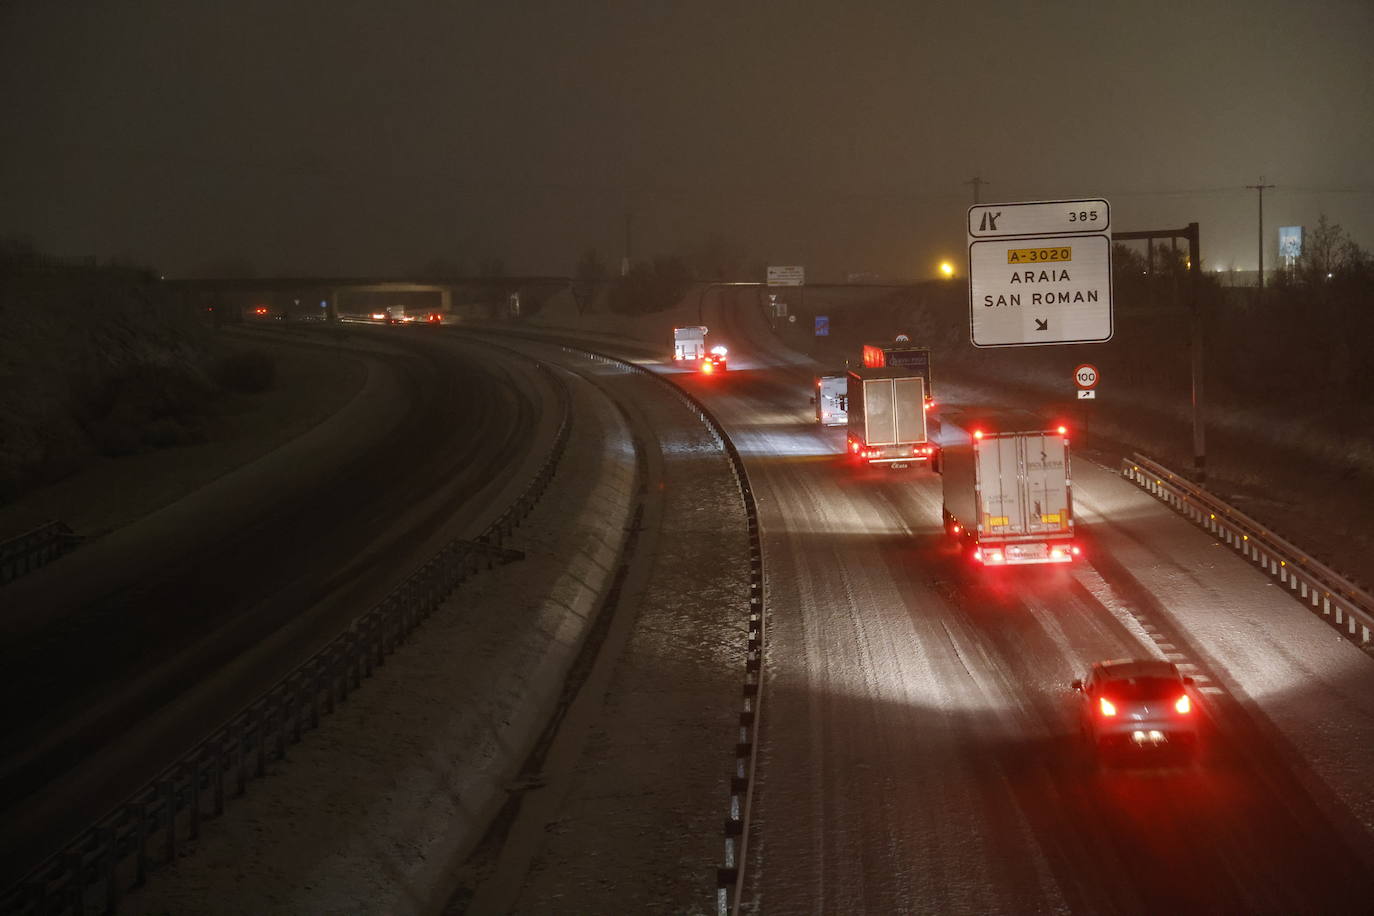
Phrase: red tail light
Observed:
(1106, 706)
(1183, 705)
(707, 366)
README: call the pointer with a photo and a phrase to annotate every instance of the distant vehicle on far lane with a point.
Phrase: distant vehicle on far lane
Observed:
(1137, 705)
(689, 343)
(832, 399)
(714, 361)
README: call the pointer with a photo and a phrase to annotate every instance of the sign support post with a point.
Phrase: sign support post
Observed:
(1191, 233)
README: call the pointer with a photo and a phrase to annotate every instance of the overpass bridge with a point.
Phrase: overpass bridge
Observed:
(333, 297)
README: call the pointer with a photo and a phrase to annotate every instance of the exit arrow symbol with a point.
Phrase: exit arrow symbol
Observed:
(1042, 324)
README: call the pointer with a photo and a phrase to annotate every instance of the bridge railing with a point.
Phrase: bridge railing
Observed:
(24, 553)
(118, 852)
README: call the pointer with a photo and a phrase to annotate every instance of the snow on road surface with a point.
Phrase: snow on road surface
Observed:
(373, 812)
(919, 750)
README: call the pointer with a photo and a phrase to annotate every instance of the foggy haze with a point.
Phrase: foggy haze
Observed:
(364, 139)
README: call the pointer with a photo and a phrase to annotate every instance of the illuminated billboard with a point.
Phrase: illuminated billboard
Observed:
(1290, 243)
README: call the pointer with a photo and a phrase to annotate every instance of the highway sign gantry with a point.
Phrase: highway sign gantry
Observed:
(790, 275)
(1040, 273)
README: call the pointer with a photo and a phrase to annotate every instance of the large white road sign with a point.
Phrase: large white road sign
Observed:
(1040, 273)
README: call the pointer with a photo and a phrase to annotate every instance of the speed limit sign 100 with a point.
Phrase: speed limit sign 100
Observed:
(1085, 376)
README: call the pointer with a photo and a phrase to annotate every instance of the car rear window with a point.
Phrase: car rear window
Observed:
(1142, 688)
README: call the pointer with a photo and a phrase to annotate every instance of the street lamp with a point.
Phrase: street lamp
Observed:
(947, 269)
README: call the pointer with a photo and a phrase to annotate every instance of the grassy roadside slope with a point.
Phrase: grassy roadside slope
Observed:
(116, 402)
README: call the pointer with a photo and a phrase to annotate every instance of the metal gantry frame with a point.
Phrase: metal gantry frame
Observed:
(1189, 232)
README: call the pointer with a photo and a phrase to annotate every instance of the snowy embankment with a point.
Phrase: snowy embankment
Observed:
(375, 811)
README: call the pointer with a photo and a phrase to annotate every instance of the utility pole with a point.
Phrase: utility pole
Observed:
(978, 182)
(1260, 187)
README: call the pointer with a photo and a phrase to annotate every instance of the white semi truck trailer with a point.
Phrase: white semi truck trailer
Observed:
(1008, 496)
(689, 343)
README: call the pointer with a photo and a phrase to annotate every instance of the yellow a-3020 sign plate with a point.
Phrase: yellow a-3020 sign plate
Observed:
(1039, 255)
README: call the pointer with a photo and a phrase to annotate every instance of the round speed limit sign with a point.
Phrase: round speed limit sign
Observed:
(1085, 376)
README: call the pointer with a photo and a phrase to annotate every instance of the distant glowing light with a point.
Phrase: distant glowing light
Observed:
(947, 268)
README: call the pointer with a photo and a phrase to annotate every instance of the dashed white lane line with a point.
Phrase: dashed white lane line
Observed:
(1099, 589)
(1147, 634)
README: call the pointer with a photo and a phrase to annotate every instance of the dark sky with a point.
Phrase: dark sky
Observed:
(364, 138)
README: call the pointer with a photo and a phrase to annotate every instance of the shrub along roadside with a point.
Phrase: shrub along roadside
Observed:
(98, 361)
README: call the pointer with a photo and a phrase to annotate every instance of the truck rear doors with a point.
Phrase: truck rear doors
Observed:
(894, 411)
(1023, 480)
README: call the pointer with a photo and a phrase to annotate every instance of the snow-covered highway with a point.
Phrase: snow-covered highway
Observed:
(920, 749)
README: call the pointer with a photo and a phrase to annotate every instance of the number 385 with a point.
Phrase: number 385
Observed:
(1082, 216)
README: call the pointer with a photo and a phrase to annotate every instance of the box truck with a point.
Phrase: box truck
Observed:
(832, 399)
(900, 355)
(887, 417)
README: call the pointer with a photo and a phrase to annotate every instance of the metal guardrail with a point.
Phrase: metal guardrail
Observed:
(145, 831)
(22, 554)
(1340, 601)
(730, 875)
